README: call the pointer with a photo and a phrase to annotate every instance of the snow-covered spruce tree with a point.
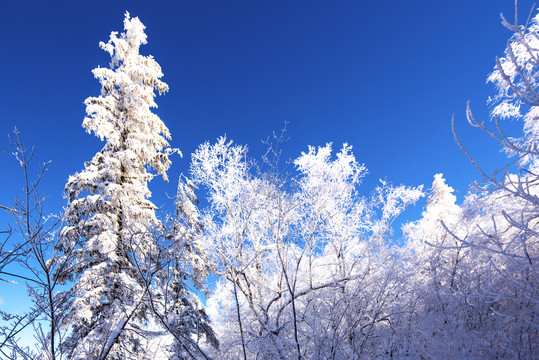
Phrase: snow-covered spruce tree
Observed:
(111, 225)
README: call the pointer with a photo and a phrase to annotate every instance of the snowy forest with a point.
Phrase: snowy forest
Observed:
(265, 258)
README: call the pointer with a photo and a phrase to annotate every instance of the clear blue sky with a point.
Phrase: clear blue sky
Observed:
(384, 76)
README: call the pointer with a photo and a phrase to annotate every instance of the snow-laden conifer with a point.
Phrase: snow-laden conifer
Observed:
(110, 223)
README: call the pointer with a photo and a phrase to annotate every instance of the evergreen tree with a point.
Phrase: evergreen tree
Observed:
(110, 224)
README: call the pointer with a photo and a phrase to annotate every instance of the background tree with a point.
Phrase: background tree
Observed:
(444, 311)
(307, 269)
(502, 211)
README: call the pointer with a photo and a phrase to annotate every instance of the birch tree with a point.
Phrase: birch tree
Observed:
(306, 268)
(504, 208)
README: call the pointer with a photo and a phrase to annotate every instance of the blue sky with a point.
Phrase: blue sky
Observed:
(384, 76)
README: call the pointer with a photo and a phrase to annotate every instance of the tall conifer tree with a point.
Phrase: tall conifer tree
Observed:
(110, 223)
